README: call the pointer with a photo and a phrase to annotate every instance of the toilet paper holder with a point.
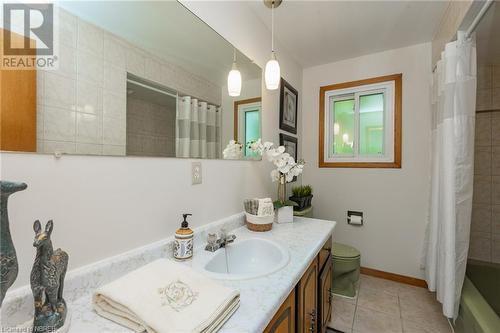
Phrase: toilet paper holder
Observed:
(354, 218)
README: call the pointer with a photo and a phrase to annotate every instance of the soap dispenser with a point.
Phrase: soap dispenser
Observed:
(183, 244)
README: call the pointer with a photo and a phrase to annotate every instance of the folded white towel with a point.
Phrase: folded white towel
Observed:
(266, 207)
(165, 296)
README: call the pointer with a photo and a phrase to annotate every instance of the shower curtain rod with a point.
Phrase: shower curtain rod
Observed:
(475, 22)
(163, 91)
(151, 88)
(478, 18)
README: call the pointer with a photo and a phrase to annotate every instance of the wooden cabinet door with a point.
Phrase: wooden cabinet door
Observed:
(307, 312)
(325, 297)
(324, 253)
(284, 320)
(17, 106)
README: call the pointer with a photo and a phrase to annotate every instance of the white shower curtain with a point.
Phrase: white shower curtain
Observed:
(197, 132)
(448, 229)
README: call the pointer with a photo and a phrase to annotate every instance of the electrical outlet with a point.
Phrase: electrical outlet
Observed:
(196, 173)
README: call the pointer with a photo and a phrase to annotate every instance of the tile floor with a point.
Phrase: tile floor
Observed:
(383, 306)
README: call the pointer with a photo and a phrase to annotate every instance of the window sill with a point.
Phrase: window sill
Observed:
(373, 165)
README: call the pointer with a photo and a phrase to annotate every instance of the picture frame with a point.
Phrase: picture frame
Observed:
(289, 98)
(291, 146)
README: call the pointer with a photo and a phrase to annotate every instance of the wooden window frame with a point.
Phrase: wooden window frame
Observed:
(398, 90)
(236, 115)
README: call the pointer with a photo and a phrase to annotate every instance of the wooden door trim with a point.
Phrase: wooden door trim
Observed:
(398, 107)
(394, 277)
(235, 112)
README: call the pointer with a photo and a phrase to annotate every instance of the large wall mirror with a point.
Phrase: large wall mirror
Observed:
(134, 78)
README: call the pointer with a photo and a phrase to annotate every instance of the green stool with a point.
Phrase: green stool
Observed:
(346, 261)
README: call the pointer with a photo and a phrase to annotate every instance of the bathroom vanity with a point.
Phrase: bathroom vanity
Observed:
(308, 307)
(292, 297)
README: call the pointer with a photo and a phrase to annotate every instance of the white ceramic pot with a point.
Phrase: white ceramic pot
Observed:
(284, 214)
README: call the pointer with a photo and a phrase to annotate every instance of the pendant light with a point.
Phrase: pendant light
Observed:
(234, 79)
(272, 72)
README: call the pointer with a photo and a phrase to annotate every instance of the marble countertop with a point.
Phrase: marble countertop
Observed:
(260, 297)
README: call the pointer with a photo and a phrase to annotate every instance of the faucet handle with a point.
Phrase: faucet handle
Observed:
(212, 238)
(223, 233)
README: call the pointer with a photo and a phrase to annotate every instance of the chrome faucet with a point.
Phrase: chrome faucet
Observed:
(213, 244)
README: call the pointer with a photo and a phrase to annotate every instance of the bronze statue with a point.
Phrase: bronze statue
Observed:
(8, 258)
(47, 281)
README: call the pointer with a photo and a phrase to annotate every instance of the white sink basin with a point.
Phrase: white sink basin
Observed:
(247, 259)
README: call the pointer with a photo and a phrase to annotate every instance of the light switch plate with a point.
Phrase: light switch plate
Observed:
(196, 173)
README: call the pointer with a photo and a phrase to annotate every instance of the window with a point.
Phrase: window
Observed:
(360, 124)
(247, 124)
(252, 130)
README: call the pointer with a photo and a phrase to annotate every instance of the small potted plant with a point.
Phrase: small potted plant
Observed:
(302, 195)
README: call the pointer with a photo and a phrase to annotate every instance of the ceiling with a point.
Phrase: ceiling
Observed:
(488, 37)
(170, 31)
(319, 32)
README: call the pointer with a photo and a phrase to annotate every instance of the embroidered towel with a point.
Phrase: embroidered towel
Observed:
(165, 296)
(266, 207)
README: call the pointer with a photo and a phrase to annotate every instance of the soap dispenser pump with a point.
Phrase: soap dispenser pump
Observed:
(183, 244)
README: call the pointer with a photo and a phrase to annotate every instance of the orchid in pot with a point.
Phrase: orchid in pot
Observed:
(286, 170)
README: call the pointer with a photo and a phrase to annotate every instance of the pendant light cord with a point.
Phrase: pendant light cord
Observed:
(272, 26)
(234, 54)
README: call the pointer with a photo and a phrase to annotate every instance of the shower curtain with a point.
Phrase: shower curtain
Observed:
(448, 228)
(197, 134)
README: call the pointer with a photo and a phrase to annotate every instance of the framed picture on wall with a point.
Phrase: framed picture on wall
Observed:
(288, 107)
(290, 144)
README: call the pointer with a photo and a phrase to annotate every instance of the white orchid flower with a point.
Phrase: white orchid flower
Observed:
(275, 153)
(267, 145)
(285, 164)
(275, 175)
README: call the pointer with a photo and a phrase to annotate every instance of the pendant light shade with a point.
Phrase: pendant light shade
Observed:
(272, 73)
(234, 82)
(234, 79)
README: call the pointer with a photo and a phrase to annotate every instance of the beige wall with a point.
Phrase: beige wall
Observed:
(252, 38)
(394, 201)
(452, 18)
(103, 206)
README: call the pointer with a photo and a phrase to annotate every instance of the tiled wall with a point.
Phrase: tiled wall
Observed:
(485, 227)
(82, 105)
(150, 128)
(488, 88)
